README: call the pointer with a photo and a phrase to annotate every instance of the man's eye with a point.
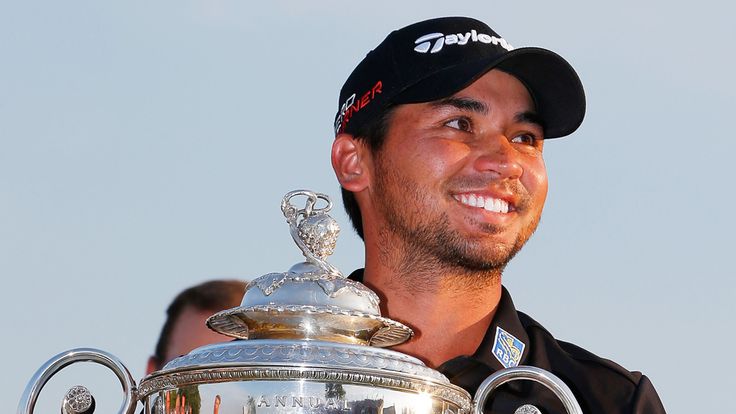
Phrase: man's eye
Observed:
(526, 139)
(462, 124)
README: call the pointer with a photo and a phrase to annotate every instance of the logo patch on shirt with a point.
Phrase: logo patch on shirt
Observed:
(507, 349)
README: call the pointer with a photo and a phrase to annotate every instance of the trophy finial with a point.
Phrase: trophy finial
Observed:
(312, 229)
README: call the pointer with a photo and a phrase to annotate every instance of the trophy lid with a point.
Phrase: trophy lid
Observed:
(312, 300)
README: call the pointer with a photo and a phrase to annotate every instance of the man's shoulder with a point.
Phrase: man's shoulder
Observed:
(561, 350)
(600, 382)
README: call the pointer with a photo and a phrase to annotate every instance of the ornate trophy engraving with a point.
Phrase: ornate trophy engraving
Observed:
(308, 341)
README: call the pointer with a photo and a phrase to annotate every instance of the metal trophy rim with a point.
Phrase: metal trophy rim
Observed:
(312, 353)
(377, 378)
(230, 322)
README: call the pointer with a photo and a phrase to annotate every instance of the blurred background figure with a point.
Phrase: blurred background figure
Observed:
(185, 327)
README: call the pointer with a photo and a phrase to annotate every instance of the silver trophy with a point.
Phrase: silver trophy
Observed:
(310, 341)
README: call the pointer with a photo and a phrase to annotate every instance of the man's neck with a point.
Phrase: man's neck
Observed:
(449, 312)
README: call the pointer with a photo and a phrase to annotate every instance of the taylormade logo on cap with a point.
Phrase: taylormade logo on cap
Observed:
(424, 43)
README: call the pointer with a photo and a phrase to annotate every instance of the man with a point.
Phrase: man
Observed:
(185, 327)
(438, 149)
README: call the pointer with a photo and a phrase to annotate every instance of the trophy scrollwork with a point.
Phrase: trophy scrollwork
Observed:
(313, 230)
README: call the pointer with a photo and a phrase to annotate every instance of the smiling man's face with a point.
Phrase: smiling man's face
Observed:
(462, 179)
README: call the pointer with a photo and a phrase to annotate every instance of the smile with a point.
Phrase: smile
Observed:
(487, 203)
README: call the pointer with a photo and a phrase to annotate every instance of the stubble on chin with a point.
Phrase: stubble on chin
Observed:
(417, 243)
(426, 255)
(425, 261)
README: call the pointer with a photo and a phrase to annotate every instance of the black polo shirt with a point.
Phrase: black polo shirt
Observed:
(513, 338)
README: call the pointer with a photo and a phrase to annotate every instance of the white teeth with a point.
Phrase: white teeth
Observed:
(488, 203)
(472, 201)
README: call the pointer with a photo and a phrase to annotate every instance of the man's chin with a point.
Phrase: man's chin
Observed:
(481, 260)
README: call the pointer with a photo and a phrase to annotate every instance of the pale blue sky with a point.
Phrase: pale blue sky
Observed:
(146, 147)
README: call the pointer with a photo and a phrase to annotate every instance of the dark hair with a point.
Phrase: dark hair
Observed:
(215, 295)
(373, 133)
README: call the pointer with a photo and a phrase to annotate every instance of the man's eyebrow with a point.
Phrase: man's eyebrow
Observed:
(530, 117)
(465, 104)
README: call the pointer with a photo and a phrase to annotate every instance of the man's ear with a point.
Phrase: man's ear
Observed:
(351, 162)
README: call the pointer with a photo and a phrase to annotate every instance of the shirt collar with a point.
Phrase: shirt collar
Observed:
(505, 336)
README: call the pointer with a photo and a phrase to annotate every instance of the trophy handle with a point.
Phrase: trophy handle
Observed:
(522, 372)
(59, 362)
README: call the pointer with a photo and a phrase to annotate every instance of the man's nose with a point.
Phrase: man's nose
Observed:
(497, 155)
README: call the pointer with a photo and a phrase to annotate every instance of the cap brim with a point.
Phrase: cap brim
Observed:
(551, 81)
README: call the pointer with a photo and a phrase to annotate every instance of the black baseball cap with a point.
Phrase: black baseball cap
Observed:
(436, 58)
